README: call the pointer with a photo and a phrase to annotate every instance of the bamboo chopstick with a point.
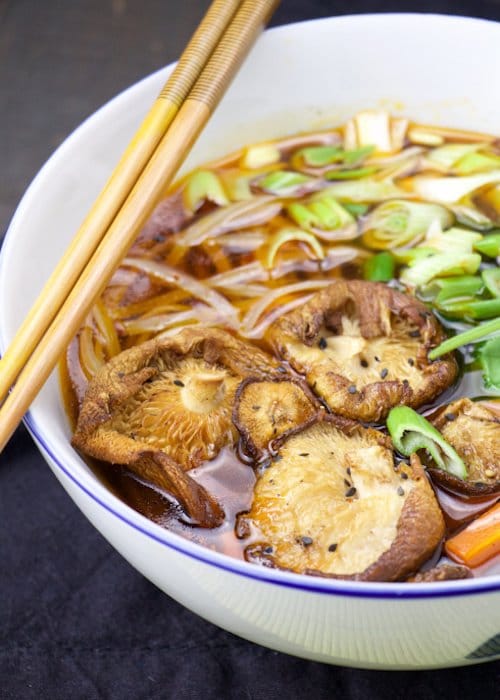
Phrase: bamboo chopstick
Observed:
(119, 185)
(158, 173)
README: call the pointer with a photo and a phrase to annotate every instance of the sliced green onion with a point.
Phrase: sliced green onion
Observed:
(356, 209)
(491, 279)
(409, 256)
(476, 162)
(472, 218)
(451, 153)
(489, 245)
(442, 290)
(400, 223)
(319, 156)
(355, 155)
(451, 189)
(352, 174)
(288, 235)
(260, 155)
(320, 213)
(411, 432)
(455, 239)
(283, 182)
(477, 310)
(202, 186)
(379, 268)
(365, 190)
(489, 357)
(472, 335)
(441, 265)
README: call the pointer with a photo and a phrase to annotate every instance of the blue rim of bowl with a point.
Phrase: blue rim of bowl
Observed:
(289, 580)
(374, 590)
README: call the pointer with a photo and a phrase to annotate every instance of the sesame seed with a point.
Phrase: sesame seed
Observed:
(377, 359)
(306, 541)
(347, 483)
(348, 471)
(450, 416)
(303, 454)
(406, 382)
(322, 343)
(384, 373)
(411, 361)
(281, 368)
(178, 382)
(268, 550)
(333, 547)
(414, 334)
(363, 363)
(255, 408)
(352, 389)
(350, 492)
(404, 475)
(401, 491)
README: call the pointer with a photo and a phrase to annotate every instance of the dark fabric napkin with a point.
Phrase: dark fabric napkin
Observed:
(76, 621)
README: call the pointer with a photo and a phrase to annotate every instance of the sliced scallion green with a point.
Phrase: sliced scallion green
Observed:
(471, 335)
(489, 245)
(489, 357)
(491, 279)
(479, 310)
(424, 270)
(411, 432)
(283, 182)
(352, 174)
(202, 186)
(399, 222)
(443, 290)
(379, 267)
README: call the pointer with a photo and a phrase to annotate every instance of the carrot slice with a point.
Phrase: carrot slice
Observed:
(479, 541)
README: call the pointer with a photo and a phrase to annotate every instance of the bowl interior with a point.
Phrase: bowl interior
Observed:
(297, 78)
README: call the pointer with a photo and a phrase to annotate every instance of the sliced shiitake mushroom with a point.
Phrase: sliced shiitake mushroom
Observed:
(363, 348)
(335, 504)
(442, 572)
(267, 409)
(165, 406)
(473, 430)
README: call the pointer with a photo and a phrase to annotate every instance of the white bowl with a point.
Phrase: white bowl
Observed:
(298, 76)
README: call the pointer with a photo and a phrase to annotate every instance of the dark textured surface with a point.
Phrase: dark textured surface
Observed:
(76, 621)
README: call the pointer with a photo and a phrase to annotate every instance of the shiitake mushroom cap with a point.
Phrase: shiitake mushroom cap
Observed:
(336, 505)
(165, 406)
(363, 347)
(474, 432)
(267, 409)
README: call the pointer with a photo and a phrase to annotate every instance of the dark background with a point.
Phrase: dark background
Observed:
(76, 621)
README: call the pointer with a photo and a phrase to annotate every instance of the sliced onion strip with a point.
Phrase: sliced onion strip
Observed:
(195, 287)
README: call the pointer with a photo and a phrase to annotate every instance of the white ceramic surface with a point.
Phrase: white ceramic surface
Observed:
(297, 77)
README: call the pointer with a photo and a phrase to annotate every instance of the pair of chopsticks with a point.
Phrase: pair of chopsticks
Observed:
(148, 166)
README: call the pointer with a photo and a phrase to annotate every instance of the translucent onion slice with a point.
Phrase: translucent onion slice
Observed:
(195, 287)
(91, 360)
(160, 322)
(252, 272)
(107, 329)
(252, 316)
(291, 235)
(260, 328)
(249, 212)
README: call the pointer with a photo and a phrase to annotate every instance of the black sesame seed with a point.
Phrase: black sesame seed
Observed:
(347, 483)
(121, 375)
(255, 408)
(363, 363)
(406, 382)
(268, 550)
(404, 475)
(450, 416)
(352, 389)
(303, 454)
(306, 541)
(348, 470)
(414, 334)
(159, 238)
(350, 492)
(333, 547)
(377, 359)
(401, 491)
(322, 343)
(281, 368)
(411, 361)
(384, 373)
(178, 382)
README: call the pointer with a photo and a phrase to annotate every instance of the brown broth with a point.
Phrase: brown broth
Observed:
(132, 294)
